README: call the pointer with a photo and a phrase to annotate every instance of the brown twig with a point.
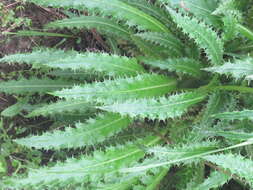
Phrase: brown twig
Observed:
(3, 99)
(11, 5)
(166, 139)
(53, 12)
(226, 172)
(99, 39)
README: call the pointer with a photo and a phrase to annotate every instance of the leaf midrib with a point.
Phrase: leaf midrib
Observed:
(122, 92)
(177, 103)
(78, 66)
(135, 11)
(94, 22)
(81, 170)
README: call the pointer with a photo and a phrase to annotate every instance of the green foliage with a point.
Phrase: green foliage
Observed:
(38, 33)
(33, 85)
(204, 36)
(202, 9)
(9, 20)
(188, 153)
(215, 180)
(240, 115)
(124, 11)
(163, 39)
(239, 69)
(63, 106)
(139, 112)
(236, 164)
(15, 109)
(100, 62)
(103, 25)
(160, 108)
(150, 9)
(120, 89)
(181, 65)
(87, 168)
(95, 130)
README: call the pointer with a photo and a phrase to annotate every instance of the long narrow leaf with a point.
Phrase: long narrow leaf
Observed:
(160, 108)
(121, 89)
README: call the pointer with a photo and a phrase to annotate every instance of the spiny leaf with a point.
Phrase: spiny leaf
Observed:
(239, 69)
(102, 25)
(93, 131)
(112, 65)
(202, 9)
(244, 31)
(116, 8)
(147, 180)
(153, 180)
(160, 108)
(63, 106)
(215, 180)
(175, 155)
(96, 168)
(38, 56)
(179, 65)
(15, 109)
(236, 164)
(218, 102)
(230, 28)
(124, 11)
(146, 85)
(237, 136)
(180, 151)
(157, 52)
(150, 9)
(189, 152)
(205, 37)
(163, 39)
(229, 8)
(236, 115)
(79, 75)
(33, 85)
(231, 17)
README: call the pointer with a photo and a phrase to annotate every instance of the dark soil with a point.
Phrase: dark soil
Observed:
(87, 40)
(9, 44)
(40, 16)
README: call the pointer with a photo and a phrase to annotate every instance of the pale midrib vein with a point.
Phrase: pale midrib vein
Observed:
(150, 9)
(56, 64)
(170, 104)
(212, 48)
(169, 42)
(140, 168)
(103, 23)
(118, 92)
(232, 69)
(200, 8)
(173, 67)
(192, 69)
(139, 13)
(104, 126)
(81, 133)
(64, 106)
(81, 170)
(217, 57)
(236, 113)
(177, 103)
